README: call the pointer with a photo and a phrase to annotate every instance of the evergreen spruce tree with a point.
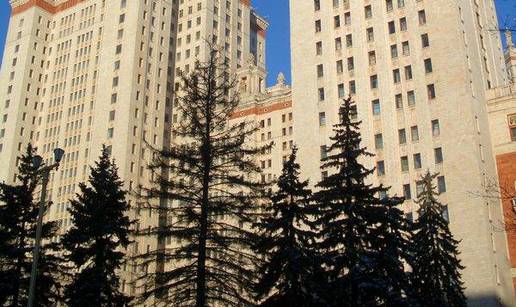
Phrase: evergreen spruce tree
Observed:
(436, 268)
(19, 208)
(209, 190)
(362, 230)
(291, 274)
(93, 244)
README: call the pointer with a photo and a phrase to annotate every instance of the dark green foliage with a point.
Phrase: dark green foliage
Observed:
(362, 231)
(291, 274)
(436, 268)
(18, 215)
(207, 184)
(93, 244)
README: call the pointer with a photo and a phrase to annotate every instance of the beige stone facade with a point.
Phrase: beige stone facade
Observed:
(77, 74)
(502, 120)
(271, 111)
(419, 72)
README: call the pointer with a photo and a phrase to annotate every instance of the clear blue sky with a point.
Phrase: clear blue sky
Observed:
(276, 11)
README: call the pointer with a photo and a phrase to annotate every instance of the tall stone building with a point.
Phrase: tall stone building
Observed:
(269, 109)
(77, 74)
(502, 120)
(418, 71)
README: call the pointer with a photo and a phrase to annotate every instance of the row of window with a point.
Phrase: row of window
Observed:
(389, 4)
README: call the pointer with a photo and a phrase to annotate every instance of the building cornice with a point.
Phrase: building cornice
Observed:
(259, 110)
(22, 6)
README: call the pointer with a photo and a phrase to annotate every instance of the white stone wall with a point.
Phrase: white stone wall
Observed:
(460, 79)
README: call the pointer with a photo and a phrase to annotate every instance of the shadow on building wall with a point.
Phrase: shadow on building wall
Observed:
(486, 301)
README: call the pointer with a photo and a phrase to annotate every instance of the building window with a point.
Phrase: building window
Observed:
(318, 48)
(373, 80)
(352, 87)
(321, 94)
(389, 6)
(318, 26)
(336, 21)
(372, 58)
(411, 98)
(441, 184)
(402, 136)
(392, 27)
(370, 34)
(394, 51)
(340, 90)
(324, 152)
(511, 119)
(351, 64)
(320, 70)
(446, 214)
(317, 5)
(405, 48)
(396, 76)
(349, 40)
(436, 130)
(338, 44)
(110, 133)
(425, 41)
(406, 192)
(408, 72)
(403, 24)
(428, 66)
(417, 161)
(399, 101)
(322, 119)
(378, 141)
(368, 12)
(380, 168)
(376, 107)
(340, 66)
(430, 91)
(414, 133)
(404, 164)
(347, 18)
(438, 154)
(422, 17)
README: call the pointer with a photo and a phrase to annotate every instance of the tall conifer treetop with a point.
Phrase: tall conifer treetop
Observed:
(100, 229)
(362, 230)
(209, 191)
(436, 267)
(291, 274)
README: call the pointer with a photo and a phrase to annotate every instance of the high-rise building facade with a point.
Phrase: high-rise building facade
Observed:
(270, 110)
(418, 71)
(78, 74)
(502, 120)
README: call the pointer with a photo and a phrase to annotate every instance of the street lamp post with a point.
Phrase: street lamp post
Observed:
(45, 174)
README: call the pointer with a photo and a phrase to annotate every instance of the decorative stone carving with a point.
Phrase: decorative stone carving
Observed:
(281, 79)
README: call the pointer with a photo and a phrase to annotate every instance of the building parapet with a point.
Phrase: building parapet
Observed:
(502, 92)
